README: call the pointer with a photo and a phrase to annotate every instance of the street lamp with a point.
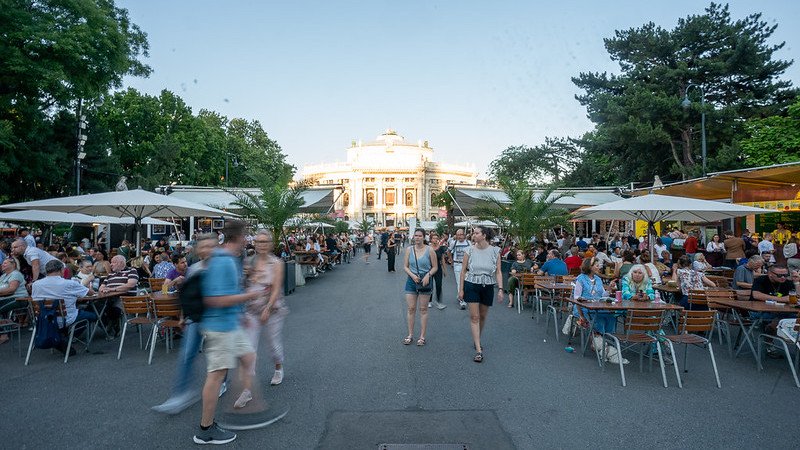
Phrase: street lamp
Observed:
(686, 103)
(80, 154)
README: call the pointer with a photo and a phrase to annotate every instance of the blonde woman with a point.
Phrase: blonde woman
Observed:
(636, 285)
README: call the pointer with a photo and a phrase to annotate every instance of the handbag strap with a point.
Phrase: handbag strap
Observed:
(416, 263)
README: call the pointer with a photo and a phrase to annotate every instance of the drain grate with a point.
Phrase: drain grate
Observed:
(423, 447)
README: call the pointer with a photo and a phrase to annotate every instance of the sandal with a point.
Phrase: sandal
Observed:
(478, 357)
(407, 340)
(510, 305)
(420, 342)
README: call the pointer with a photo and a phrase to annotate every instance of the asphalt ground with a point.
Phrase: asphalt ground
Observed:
(350, 383)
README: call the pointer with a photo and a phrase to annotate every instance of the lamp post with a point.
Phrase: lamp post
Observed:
(686, 103)
(81, 138)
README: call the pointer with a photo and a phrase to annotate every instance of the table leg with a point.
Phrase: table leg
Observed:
(747, 332)
(99, 319)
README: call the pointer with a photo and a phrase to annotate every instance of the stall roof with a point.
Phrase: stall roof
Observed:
(315, 200)
(468, 198)
(720, 185)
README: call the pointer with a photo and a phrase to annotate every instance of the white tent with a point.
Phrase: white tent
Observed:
(136, 204)
(46, 217)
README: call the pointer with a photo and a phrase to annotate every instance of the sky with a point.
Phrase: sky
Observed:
(470, 77)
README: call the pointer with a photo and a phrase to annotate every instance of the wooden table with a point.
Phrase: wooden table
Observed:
(551, 288)
(602, 306)
(755, 306)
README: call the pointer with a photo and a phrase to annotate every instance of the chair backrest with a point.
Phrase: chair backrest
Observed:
(527, 280)
(720, 281)
(156, 283)
(697, 297)
(743, 295)
(643, 320)
(563, 296)
(697, 321)
(136, 305)
(567, 278)
(720, 294)
(166, 308)
(545, 279)
(48, 303)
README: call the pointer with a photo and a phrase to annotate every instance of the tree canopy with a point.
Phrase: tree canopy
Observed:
(774, 139)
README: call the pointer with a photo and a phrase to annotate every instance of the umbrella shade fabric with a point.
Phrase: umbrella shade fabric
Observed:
(477, 223)
(655, 208)
(46, 217)
(136, 203)
(317, 225)
(130, 220)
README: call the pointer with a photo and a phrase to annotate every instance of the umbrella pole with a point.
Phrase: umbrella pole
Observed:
(137, 222)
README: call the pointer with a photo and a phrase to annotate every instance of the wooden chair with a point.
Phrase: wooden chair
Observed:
(692, 323)
(697, 300)
(566, 278)
(156, 284)
(61, 313)
(720, 281)
(640, 328)
(167, 316)
(784, 343)
(724, 319)
(560, 306)
(136, 311)
(526, 287)
(539, 292)
(10, 326)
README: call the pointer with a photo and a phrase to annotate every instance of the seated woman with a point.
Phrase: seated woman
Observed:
(519, 266)
(700, 264)
(689, 279)
(636, 285)
(589, 286)
(622, 267)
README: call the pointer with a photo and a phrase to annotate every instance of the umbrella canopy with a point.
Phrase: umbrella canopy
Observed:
(477, 223)
(317, 225)
(136, 204)
(46, 217)
(655, 208)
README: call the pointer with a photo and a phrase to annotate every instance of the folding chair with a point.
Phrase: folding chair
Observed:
(136, 311)
(640, 327)
(167, 316)
(693, 322)
(526, 287)
(61, 313)
(784, 343)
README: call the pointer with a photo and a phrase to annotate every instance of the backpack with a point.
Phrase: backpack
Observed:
(48, 334)
(191, 296)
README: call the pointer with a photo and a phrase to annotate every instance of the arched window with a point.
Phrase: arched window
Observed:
(409, 198)
(370, 198)
(346, 199)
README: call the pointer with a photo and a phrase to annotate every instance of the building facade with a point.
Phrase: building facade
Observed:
(388, 180)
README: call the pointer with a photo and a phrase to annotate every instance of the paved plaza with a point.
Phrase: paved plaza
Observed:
(350, 383)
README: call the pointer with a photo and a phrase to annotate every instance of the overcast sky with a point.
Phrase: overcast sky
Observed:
(471, 77)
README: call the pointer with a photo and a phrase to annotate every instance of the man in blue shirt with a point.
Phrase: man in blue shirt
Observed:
(554, 264)
(666, 239)
(225, 340)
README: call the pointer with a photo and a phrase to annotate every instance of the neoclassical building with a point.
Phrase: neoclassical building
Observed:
(388, 180)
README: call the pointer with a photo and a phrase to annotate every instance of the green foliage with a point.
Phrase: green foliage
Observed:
(365, 226)
(773, 140)
(525, 215)
(642, 130)
(441, 227)
(340, 226)
(445, 200)
(548, 162)
(54, 53)
(273, 208)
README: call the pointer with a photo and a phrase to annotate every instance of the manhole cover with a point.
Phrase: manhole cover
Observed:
(423, 447)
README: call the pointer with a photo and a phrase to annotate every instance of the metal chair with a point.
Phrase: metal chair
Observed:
(539, 293)
(560, 306)
(61, 313)
(10, 326)
(526, 287)
(156, 284)
(693, 322)
(136, 311)
(640, 328)
(724, 319)
(783, 343)
(167, 316)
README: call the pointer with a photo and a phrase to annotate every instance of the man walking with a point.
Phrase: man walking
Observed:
(457, 248)
(225, 341)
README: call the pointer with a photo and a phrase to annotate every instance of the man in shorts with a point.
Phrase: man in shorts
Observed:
(225, 341)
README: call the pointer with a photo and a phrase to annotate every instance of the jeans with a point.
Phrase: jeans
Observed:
(437, 278)
(189, 350)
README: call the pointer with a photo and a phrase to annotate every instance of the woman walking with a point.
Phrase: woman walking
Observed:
(440, 248)
(265, 273)
(479, 276)
(420, 264)
(391, 247)
(367, 246)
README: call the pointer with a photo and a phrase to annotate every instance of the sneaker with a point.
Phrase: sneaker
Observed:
(277, 378)
(214, 435)
(440, 306)
(176, 404)
(430, 305)
(223, 388)
(243, 399)
(462, 304)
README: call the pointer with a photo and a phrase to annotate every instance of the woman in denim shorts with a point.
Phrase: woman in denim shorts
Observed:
(479, 276)
(420, 264)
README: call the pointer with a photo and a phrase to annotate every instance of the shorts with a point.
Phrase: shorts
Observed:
(479, 293)
(224, 348)
(368, 248)
(411, 288)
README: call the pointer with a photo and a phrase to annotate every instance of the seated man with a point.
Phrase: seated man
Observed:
(176, 276)
(744, 275)
(36, 257)
(574, 260)
(122, 280)
(774, 286)
(554, 265)
(55, 286)
(162, 268)
(333, 249)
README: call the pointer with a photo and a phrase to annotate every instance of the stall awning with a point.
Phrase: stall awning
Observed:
(468, 199)
(317, 200)
(743, 185)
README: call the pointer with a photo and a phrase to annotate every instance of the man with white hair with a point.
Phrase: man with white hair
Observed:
(36, 257)
(122, 280)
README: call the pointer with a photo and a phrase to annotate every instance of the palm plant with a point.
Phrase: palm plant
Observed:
(525, 215)
(445, 200)
(273, 208)
(365, 225)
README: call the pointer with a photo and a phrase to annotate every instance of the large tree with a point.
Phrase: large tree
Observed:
(541, 164)
(53, 54)
(642, 130)
(774, 139)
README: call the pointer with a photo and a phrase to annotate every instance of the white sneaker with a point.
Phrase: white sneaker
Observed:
(277, 378)
(430, 305)
(440, 306)
(462, 304)
(243, 399)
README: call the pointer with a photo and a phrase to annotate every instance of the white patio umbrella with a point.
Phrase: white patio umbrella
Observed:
(655, 208)
(135, 203)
